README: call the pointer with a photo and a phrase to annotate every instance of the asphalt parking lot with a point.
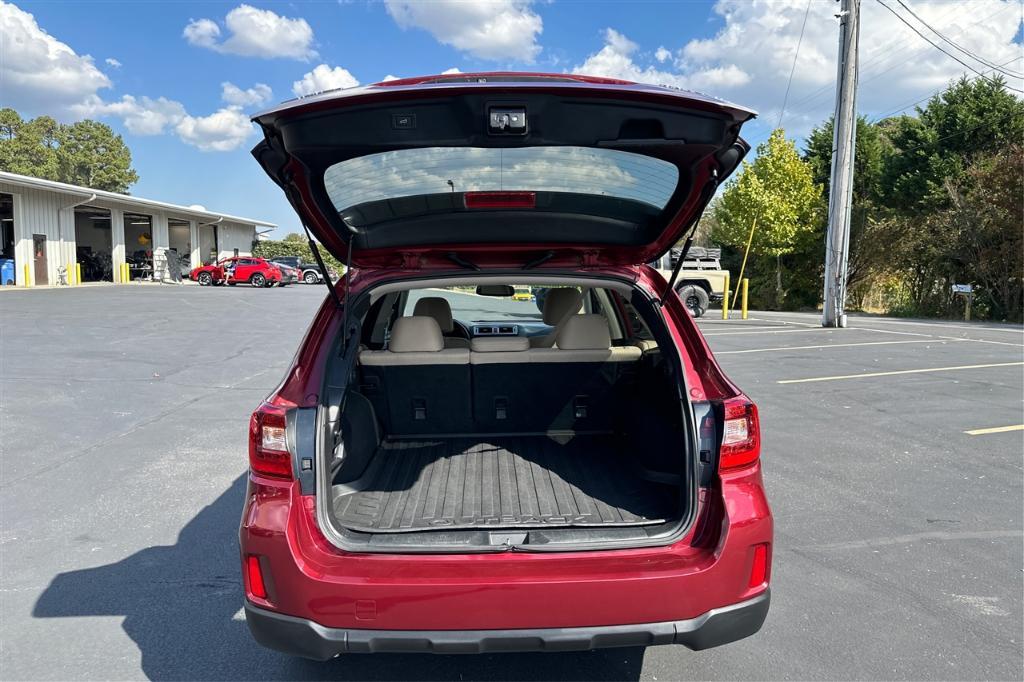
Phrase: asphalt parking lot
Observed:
(123, 413)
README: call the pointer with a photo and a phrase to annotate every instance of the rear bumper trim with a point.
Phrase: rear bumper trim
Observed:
(301, 637)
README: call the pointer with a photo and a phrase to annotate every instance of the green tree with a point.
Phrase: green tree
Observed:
(83, 153)
(988, 224)
(294, 244)
(91, 154)
(970, 119)
(28, 147)
(930, 178)
(867, 253)
(778, 191)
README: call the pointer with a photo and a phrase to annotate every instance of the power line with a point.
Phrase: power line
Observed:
(796, 55)
(930, 95)
(956, 45)
(940, 49)
(883, 57)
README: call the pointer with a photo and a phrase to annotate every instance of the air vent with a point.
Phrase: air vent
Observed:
(496, 330)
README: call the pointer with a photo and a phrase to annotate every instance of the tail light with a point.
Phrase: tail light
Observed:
(268, 446)
(741, 439)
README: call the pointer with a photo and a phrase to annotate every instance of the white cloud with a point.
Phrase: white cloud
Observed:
(616, 60)
(495, 30)
(257, 95)
(40, 74)
(254, 33)
(388, 77)
(749, 59)
(222, 131)
(451, 71)
(140, 115)
(324, 78)
(202, 33)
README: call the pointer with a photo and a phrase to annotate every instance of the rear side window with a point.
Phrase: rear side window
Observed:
(438, 170)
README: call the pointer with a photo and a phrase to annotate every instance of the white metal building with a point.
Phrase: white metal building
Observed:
(46, 225)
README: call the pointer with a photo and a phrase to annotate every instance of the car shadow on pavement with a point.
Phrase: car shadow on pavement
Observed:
(181, 606)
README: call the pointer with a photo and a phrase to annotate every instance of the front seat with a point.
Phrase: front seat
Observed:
(439, 309)
(559, 305)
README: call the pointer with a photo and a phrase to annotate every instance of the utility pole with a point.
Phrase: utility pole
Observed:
(844, 140)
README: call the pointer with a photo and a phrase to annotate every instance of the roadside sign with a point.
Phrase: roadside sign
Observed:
(963, 288)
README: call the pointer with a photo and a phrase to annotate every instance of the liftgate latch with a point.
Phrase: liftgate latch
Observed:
(507, 121)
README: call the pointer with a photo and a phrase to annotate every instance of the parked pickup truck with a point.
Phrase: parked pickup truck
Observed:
(701, 280)
(308, 272)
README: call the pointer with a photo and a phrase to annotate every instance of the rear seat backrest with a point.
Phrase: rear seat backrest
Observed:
(493, 350)
(415, 341)
(574, 385)
(503, 386)
(585, 338)
(416, 385)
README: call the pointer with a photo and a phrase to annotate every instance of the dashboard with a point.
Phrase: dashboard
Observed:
(478, 329)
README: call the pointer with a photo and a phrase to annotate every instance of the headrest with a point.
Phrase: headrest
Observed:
(584, 332)
(437, 308)
(497, 344)
(560, 304)
(412, 334)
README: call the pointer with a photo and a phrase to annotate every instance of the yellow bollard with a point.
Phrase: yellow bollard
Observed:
(725, 299)
(28, 280)
(78, 274)
(71, 274)
(743, 300)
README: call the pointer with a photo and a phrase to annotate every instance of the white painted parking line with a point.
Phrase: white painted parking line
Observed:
(773, 319)
(1011, 330)
(828, 345)
(995, 429)
(936, 336)
(770, 331)
(745, 327)
(900, 371)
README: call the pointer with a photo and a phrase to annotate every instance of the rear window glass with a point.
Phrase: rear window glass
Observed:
(435, 170)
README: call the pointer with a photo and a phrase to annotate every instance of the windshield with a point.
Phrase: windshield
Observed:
(467, 306)
(435, 170)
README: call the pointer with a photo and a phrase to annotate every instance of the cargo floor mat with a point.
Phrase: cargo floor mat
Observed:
(501, 482)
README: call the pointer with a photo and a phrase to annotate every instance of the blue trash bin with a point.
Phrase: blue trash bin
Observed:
(6, 272)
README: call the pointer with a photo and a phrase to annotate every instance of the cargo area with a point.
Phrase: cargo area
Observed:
(555, 420)
(504, 482)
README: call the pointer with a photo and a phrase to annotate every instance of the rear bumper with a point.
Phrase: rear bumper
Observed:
(301, 637)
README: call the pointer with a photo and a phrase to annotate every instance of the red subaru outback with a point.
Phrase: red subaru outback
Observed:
(446, 468)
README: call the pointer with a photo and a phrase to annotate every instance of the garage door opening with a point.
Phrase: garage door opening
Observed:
(7, 269)
(208, 251)
(180, 254)
(138, 245)
(94, 244)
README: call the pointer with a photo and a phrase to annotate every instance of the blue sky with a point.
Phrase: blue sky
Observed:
(156, 71)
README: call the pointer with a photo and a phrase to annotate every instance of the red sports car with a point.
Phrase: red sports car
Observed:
(240, 269)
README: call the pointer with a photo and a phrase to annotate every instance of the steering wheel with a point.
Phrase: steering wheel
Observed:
(461, 330)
